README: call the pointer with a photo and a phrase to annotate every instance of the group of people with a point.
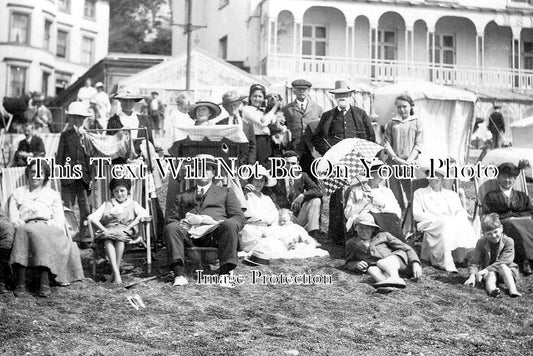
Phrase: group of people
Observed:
(281, 217)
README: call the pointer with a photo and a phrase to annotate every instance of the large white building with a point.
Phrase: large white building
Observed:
(469, 43)
(46, 44)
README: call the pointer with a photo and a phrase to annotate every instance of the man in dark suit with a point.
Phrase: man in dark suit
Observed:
(72, 149)
(496, 126)
(204, 202)
(31, 146)
(232, 102)
(343, 121)
(299, 114)
(301, 195)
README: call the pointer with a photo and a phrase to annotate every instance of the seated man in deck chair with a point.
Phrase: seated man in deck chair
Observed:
(31, 146)
(204, 204)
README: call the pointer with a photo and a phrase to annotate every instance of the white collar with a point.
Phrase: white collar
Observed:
(205, 188)
(507, 192)
(341, 110)
(410, 118)
(299, 103)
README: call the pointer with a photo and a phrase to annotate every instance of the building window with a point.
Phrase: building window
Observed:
(222, 3)
(20, 28)
(46, 82)
(87, 50)
(62, 81)
(89, 10)
(17, 81)
(528, 55)
(223, 47)
(444, 49)
(314, 41)
(62, 44)
(63, 5)
(47, 34)
(387, 46)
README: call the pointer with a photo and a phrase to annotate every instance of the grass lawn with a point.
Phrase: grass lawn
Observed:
(436, 315)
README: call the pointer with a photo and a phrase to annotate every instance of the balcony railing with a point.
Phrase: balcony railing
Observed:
(279, 65)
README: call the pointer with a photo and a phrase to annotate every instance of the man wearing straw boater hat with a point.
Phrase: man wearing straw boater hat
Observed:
(343, 121)
(72, 146)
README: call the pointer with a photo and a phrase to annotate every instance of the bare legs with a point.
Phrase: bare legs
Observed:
(385, 268)
(114, 251)
(507, 275)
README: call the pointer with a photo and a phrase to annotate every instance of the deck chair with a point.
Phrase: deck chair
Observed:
(101, 193)
(50, 140)
(222, 141)
(14, 177)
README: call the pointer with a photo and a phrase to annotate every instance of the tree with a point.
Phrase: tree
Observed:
(132, 22)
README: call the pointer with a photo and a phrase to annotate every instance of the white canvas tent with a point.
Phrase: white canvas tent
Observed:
(447, 115)
(210, 78)
(522, 132)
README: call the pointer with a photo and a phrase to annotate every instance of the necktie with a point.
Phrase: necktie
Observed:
(302, 106)
(290, 193)
(200, 193)
(235, 120)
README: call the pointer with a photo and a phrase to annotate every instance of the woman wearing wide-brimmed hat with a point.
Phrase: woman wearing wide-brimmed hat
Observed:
(204, 111)
(128, 117)
(515, 211)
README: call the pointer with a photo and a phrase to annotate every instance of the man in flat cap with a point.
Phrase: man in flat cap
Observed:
(343, 121)
(302, 116)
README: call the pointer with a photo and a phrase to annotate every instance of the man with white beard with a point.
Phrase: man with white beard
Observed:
(343, 121)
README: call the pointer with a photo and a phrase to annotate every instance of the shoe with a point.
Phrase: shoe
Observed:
(391, 282)
(20, 291)
(496, 293)
(515, 295)
(3, 289)
(384, 290)
(44, 292)
(526, 268)
(180, 281)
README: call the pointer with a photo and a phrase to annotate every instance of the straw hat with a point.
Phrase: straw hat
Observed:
(263, 172)
(214, 108)
(257, 258)
(79, 108)
(125, 93)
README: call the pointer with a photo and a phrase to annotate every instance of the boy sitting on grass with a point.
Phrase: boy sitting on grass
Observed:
(494, 255)
(381, 255)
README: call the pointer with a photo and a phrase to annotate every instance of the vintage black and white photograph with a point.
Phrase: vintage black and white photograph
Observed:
(266, 177)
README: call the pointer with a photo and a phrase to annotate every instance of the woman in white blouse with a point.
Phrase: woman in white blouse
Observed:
(40, 241)
(254, 113)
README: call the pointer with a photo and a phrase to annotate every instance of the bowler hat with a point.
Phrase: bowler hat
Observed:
(301, 83)
(341, 87)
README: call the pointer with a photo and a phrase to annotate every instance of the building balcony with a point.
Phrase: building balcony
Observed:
(328, 69)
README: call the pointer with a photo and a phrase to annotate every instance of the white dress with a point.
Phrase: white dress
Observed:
(445, 224)
(261, 212)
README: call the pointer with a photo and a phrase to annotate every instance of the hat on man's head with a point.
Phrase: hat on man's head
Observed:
(126, 93)
(99, 84)
(301, 83)
(209, 159)
(263, 172)
(511, 169)
(366, 219)
(231, 97)
(38, 97)
(341, 87)
(79, 108)
(257, 258)
(214, 108)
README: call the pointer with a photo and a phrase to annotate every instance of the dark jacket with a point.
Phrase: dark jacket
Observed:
(298, 119)
(381, 246)
(114, 123)
(220, 203)
(304, 185)
(495, 202)
(248, 130)
(481, 258)
(323, 138)
(70, 146)
(36, 146)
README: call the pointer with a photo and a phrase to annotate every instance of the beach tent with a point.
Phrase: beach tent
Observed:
(522, 132)
(447, 116)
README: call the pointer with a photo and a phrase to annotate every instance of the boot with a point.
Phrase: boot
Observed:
(526, 267)
(3, 276)
(44, 288)
(20, 289)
